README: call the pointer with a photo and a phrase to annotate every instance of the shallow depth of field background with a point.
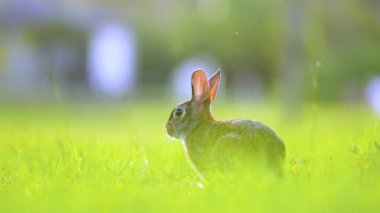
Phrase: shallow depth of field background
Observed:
(86, 88)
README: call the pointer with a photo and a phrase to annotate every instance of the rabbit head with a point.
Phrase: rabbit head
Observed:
(190, 114)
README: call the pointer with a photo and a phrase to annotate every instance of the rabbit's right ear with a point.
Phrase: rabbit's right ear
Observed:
(214, 84)
(200, 86)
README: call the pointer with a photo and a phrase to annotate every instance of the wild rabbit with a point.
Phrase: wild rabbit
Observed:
(213, 144)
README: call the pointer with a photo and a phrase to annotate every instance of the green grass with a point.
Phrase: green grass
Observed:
(118, 158)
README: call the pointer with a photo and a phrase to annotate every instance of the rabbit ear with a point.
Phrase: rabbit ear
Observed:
(200, 86)
(214, 83)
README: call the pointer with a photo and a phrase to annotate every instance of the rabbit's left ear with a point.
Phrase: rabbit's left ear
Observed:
(200, 86)
(214, 83)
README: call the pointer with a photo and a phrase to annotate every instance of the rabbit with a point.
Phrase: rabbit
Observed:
(211, 144)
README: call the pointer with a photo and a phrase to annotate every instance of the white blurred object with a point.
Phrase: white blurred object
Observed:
(372, 94)
(181, 78)
(112, 60)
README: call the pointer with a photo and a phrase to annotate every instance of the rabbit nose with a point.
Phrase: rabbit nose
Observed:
(170, 129)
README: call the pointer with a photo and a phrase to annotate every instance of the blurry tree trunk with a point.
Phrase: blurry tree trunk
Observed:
(293, 56)
(375, 5)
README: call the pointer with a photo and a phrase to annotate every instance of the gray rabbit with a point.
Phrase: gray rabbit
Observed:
(211, 144)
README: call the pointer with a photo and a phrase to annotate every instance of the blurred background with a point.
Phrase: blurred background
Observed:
(290, 51)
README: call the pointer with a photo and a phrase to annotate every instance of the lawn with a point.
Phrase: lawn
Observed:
(117, 157)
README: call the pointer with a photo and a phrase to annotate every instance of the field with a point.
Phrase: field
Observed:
(117, 157)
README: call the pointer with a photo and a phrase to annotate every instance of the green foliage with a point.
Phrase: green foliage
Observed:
(258, 36)
(117, 158)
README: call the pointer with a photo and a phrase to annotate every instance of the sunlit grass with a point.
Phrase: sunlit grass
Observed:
(118, 158)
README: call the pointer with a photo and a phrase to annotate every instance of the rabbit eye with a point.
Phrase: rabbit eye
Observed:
(178, 112)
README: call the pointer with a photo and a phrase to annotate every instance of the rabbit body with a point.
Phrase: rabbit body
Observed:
(216, 144)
